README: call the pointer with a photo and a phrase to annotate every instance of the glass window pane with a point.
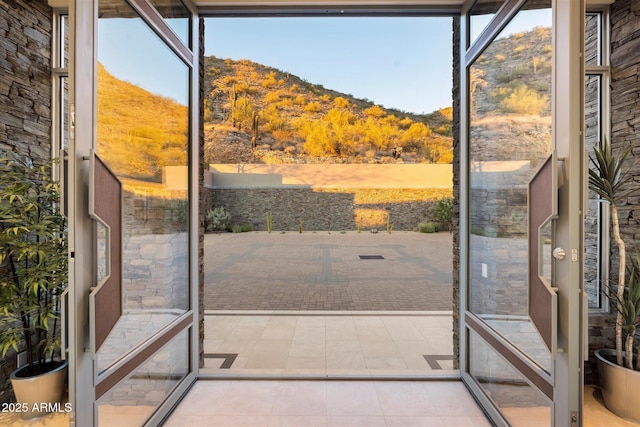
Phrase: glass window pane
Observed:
(480, 15)
(518, 401)
(64, 41)
(592, 224)
(593, 39)
(143, 133)
(64, 116)
(510, 137)
(133, 401)
(177, 17)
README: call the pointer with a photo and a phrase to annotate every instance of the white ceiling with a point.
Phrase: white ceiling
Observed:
(431, 3)
(209, 3)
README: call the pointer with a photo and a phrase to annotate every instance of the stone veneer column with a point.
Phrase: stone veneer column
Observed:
(456, 192)
(625, 104)
(625, 131)
(201, 193)
(25, 98)
(25, 78)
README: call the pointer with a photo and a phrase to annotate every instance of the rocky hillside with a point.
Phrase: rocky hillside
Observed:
(511, 98)
(256, 113)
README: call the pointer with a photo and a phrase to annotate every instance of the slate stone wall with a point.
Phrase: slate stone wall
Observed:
(327, 209)
(456, 192)
(625, 131)
(25, 78)
(25, 99)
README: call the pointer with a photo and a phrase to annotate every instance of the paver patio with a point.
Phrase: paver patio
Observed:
(324, 271)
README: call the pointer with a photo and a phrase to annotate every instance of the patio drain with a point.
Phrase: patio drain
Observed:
(371, 256)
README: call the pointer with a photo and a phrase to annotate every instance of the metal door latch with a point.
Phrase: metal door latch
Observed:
(559, 253)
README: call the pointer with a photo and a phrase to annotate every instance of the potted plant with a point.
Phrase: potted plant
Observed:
(619, 378)
(33, 275)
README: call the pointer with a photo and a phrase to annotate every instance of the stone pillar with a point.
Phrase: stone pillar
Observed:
(201, 190)
(456, 191)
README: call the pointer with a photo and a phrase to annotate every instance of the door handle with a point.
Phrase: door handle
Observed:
(559, 254)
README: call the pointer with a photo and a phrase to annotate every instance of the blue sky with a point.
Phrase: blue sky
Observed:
(402, 63)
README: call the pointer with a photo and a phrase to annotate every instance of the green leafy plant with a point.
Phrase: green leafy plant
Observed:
(269, 222)
(33, 260)
(428, 227)
(442, 211)
(217, 219)
(241, 228)
(609, 180)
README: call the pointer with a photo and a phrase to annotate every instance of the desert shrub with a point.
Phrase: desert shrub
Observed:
(312, 107)
(341, 102)
(272, 97)
(217, 219)
(428, 227)
(442, 211)
(241, 228)
(524, 101)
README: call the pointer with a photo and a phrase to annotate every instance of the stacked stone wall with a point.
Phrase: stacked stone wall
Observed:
(25, 78)
(25, 99)
(455, 93)
(625, 132)
(327, 209)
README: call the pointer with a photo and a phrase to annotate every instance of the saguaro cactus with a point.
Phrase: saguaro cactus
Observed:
(254, 130)
(233, 100)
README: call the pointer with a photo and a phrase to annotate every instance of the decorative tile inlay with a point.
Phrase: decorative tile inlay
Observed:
(229, 358)
(432, 360)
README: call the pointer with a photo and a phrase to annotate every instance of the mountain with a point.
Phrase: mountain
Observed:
(256, 113)
(511, 98)
(139, 132)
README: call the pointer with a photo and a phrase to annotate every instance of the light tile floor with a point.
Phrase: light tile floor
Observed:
(327, 403)
(340, 342)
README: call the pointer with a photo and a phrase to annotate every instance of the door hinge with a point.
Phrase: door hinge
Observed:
(574, 419)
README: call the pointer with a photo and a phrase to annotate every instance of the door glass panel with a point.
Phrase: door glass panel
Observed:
(518, 401)
(177, 16)
(480, 15)
(510, 138)
(143, 136)
(134, 400)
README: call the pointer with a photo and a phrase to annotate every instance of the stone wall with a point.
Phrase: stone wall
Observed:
(456, 192)
(25, 78)
(327, 209)
(25, 98)
(625, 131)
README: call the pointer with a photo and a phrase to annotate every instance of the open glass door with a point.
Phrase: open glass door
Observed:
(135, 216)
(521, 209)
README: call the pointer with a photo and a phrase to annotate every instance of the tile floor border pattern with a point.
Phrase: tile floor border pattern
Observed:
(337, 345)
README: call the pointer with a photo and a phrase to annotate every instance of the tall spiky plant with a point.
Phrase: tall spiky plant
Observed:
(608, 179)
(629, 308)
